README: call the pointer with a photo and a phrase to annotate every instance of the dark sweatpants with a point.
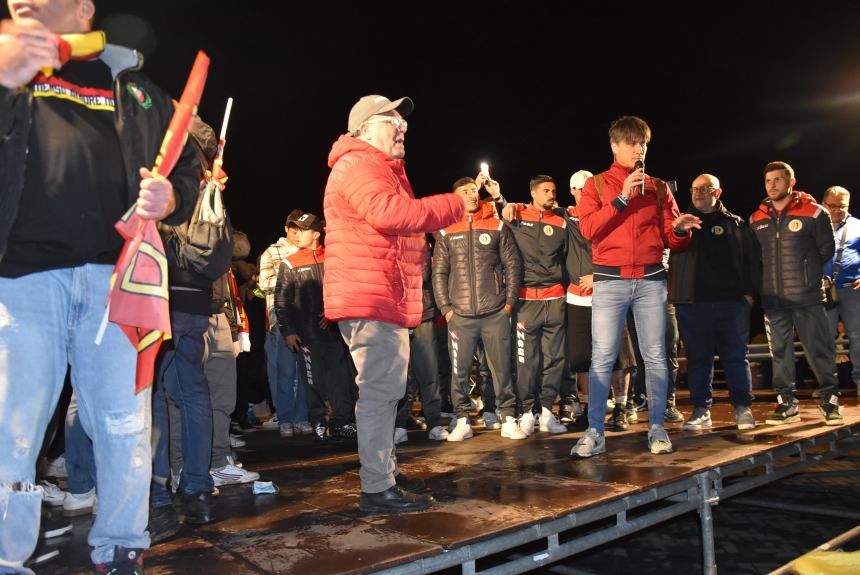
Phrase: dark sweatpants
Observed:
(423, 376)
(539, 350)
(814, 331)
(463, 336)
(330, 376)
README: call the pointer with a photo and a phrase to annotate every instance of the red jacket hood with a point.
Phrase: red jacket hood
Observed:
(347, 144)
(798, 199)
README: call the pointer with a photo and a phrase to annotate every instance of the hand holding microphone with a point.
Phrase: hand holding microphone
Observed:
(635, 181)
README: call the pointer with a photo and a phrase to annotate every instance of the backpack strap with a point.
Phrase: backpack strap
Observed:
(599, 184)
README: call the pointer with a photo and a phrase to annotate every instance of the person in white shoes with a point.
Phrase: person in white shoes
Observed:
(476, 278)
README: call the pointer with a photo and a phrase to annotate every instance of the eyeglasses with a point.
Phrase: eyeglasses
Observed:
(703, 190)
(398, 123)
(836, 206)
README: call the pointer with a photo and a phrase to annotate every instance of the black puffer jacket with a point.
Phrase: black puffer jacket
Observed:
(794, 246)
(299, 297)
(476, 265)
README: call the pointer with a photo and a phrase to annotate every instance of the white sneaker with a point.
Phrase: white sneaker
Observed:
(303, 428)
(527, 423)
(491, 420)
(462, 430)
(400, 436)
(549, 422)
(236, 441)
(83, 504)
(511, 429)
(658, 440)
(51, 494)
(273, 423)
(592, 443)
(700, 419)
(438, 433)
(286, 429)
(230, 474)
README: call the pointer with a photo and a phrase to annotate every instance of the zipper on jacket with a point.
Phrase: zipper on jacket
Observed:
(470, 266)
(778, 257)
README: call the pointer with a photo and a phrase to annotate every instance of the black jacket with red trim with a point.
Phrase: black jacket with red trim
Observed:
(541, 237)
(794, 245)
(476, 265)
(627, 241)
(299, 297)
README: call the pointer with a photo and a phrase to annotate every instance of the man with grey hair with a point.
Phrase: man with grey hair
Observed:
(711, 284)
(374, 264)
(844, 268)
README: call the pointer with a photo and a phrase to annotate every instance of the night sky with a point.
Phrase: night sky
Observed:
(529, 87)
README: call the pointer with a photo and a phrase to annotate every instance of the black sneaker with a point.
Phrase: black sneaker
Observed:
(54, 526)
(163, 523)
(831, 412)
(347, 432)
(673, 414)
(565, 414)
(785, 412)
(641, 402)
(43, 553)
(580, 423)
(125, 562)
(394, 500)
(320, 433)
(618, 420)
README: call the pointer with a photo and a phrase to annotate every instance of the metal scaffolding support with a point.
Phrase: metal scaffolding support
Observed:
(697, 492)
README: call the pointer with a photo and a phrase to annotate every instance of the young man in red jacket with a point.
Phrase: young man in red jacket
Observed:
(629, 218)
(375, 252)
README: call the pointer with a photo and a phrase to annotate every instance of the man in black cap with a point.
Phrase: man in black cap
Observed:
(317, 343)
(375, 252)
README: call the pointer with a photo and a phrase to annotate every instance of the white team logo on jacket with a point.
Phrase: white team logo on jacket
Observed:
(548, 230)
(718, 230)
(484, 239)
(795, 225)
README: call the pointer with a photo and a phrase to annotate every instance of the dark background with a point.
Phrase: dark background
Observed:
(529, 87)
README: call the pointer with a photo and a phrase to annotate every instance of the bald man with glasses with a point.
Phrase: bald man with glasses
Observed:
(711, 284)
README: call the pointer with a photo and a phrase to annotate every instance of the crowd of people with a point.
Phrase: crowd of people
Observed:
(356, 312)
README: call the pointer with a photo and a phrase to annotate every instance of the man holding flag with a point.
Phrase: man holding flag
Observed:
(78, 128)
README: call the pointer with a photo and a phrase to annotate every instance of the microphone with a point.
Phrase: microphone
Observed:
(640, 165)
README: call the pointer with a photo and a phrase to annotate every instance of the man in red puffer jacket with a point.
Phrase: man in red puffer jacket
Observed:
(372, 284)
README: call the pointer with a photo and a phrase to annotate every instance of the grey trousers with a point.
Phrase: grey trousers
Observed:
(220, 368)
(380, 352)
(817, 339)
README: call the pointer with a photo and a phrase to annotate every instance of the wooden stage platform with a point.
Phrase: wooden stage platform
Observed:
(502, 506)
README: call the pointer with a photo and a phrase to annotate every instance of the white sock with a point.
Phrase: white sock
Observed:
(583, 398)
(622, 400)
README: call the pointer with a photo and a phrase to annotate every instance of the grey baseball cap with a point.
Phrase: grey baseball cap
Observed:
(374, 104)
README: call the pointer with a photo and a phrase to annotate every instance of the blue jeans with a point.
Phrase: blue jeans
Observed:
(286, 381)
(80, 461)
(609, 306)
(48, 321)
(848, 311)
(182, 381)
(726, 326)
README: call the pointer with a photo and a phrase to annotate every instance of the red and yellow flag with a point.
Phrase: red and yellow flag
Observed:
(138, 300)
